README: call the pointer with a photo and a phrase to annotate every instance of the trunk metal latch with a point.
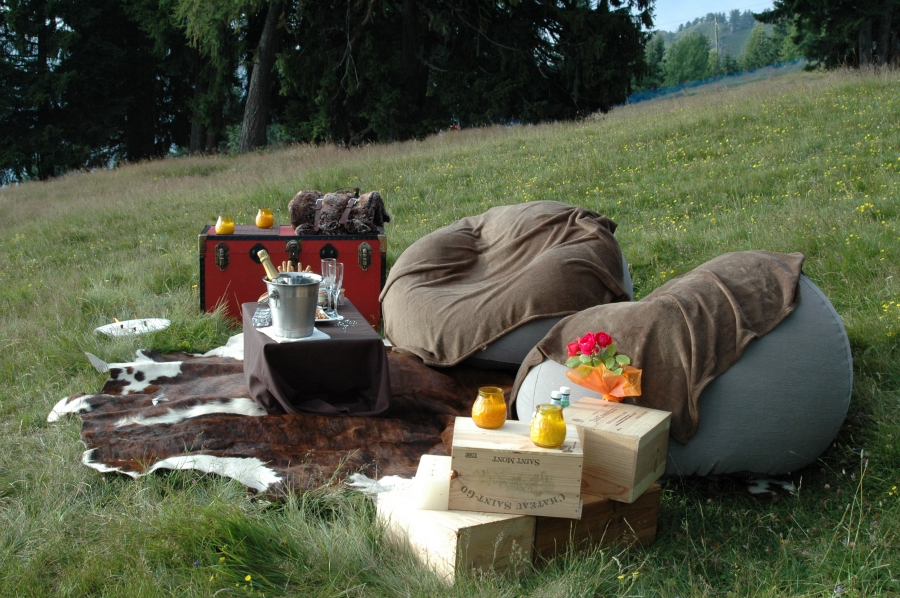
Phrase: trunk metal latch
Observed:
(365, 255)
(222, 255)
(293, 249)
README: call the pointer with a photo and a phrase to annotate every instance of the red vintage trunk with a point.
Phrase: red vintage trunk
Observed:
(230, 272)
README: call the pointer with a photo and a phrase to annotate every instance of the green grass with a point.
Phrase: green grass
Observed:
(805, 163)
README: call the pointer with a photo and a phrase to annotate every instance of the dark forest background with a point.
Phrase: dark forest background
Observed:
(91, 84)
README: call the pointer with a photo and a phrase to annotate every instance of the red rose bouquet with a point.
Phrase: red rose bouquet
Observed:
(596, 365)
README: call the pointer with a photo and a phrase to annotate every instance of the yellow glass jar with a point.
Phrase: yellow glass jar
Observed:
(489, 410)
(264, 218)
(224, 225)
(548, 428)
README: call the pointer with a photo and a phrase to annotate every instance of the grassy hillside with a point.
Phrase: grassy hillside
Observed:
(805, 163)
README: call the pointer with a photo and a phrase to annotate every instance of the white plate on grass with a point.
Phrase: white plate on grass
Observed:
(129, 327)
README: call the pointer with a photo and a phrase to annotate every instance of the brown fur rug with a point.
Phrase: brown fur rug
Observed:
(184, 412)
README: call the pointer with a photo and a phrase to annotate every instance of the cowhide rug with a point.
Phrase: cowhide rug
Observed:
(183, 411)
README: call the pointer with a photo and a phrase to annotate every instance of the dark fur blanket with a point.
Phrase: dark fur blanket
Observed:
(366, 215)
(183, 412)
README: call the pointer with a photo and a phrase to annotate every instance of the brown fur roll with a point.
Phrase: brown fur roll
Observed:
(302, 210)
(367, 216)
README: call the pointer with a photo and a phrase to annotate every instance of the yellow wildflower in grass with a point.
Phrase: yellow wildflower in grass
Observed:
(248, 578)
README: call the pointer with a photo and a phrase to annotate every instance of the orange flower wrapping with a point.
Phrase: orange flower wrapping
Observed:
(613, 387)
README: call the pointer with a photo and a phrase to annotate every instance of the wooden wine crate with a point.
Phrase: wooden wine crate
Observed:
(624, 446)
(603, 521)
(503, 471)
(450, 541)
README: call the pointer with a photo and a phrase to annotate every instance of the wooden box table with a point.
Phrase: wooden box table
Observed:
(624, 446)
(503, 471)
(346, 374)
(603, 522)
(450, 541)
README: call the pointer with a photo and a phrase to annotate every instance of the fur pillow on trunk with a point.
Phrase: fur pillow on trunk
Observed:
(366, 214)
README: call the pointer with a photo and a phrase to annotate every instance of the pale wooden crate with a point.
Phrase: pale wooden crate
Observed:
(624, 446)
(604, 522)
(503, 471)
(448, 542)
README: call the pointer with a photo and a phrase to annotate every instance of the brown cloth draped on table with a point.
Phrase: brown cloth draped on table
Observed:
(346, 374)
(689, 330)
(463, 286)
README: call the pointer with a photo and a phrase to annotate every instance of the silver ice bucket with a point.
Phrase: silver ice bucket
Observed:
(292, 299)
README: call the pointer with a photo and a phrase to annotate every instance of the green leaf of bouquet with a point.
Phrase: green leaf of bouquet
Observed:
(609, 362)
(573, 362)
(623, 360)
(584, 358)
(610, 350)
(583, 370)
(616, 371)
(595, 362)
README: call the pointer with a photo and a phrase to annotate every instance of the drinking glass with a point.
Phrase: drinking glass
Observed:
(328, 271)
(336, 285)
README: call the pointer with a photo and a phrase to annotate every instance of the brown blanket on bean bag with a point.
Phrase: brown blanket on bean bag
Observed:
(463, 286)
(689, 330)
(183, 412)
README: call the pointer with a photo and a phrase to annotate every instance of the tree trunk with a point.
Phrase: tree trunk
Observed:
(865, 43)
(140, 114)
(44, 166)
(256, 111)
(883, 43)
(410, 49)
(196, 119)
(895, 50)
(415, 74)
(213, 137)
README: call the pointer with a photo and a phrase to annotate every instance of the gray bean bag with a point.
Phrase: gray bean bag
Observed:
(775, 410)
(467, 285)
(508, 351)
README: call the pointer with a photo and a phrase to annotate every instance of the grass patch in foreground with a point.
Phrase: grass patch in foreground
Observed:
(806, 163)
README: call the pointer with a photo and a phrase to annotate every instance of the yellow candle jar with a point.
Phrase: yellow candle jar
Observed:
(548, 428)
(489, 410)
(264, 218)
(225, 225)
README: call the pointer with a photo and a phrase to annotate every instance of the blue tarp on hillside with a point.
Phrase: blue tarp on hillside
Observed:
(780, 68)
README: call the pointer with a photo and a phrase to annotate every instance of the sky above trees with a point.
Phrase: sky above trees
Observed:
(671, 13)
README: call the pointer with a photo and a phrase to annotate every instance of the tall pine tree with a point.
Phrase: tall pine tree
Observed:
(760, 49)
(842, 32)
(687, 59)
(83, 87)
